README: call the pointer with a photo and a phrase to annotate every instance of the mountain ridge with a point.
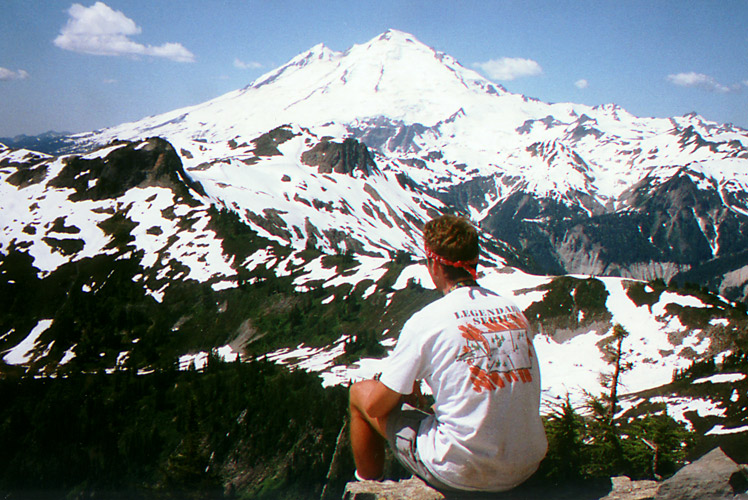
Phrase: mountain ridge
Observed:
(414, 102)
(164, 277)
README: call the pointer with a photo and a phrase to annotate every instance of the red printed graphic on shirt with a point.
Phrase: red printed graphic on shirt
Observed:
(497, 351)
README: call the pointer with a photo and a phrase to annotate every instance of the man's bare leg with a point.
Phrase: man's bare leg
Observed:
(367, 433)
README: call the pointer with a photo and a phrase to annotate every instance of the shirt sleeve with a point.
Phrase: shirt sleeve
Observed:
(404, 364)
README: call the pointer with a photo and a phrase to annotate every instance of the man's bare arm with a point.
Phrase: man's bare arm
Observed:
(381, 400)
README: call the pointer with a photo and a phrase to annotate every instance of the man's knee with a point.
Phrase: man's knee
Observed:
(358, 394)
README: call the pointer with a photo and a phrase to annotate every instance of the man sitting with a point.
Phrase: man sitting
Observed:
(473, 350)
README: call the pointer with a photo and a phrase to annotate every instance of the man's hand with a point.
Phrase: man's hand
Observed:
(416, 398)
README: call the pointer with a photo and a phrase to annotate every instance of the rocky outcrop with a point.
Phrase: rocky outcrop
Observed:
(713, 476)
(267, 144)
(342, 158)
(414, 488)
(406, 489)
(623, 488)
(153, 162)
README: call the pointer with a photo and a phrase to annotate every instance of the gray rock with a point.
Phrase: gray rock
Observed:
(416, 489)
(626, 489)
(714, 476)
(406, 489)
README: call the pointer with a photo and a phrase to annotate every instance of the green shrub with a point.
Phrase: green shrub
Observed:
(591, 446)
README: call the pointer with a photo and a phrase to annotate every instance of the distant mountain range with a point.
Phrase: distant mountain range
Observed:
(49, 142)
(283, 221)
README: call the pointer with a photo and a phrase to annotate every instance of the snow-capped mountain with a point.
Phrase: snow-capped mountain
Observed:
(282, 221)
(558, 181)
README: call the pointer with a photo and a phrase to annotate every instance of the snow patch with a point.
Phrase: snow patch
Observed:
(677, 407)
(22, 352)
(721, 378)
(199, 360)
(719, 429)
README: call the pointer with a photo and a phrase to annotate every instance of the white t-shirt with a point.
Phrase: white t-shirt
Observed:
(473, 350)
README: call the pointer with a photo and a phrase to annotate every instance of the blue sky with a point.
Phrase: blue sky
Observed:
(69, 66)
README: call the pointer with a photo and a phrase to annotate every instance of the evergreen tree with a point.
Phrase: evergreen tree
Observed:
(614, 355)
(565, 430)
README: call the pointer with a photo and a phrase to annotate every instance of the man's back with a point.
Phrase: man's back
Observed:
(472, 349)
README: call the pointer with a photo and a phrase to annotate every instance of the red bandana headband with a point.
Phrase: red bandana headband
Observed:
(467, 265)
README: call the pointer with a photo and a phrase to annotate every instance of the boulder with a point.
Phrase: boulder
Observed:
(623, 488)
(714, 476)
(406, 489)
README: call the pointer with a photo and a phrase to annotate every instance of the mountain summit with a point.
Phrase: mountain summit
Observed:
(392, 75)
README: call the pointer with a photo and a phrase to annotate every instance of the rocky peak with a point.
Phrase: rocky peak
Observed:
(347, 157)
(152, 162)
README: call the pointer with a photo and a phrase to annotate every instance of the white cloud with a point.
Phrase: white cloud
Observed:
(698, 80)
(581, 84)
(103, 31)
(509, 68)
(246, 65)
(6, 74)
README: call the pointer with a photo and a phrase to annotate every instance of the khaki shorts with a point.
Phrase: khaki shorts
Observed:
(402, 429)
